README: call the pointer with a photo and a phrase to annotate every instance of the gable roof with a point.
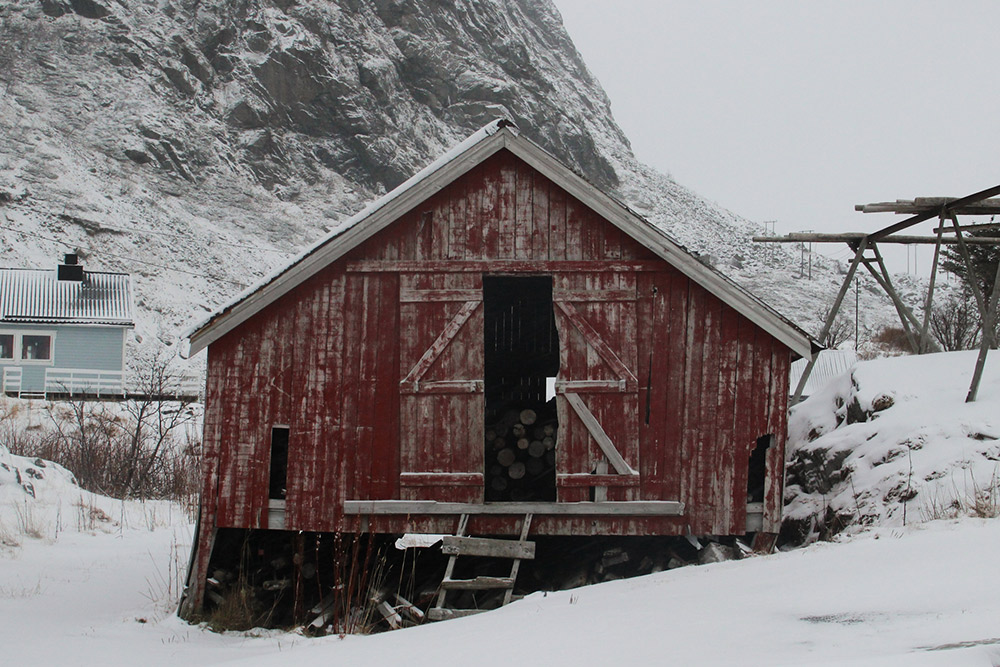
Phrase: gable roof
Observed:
(37, 296)
(496, 136)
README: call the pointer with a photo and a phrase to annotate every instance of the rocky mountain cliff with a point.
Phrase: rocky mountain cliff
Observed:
(197, 144)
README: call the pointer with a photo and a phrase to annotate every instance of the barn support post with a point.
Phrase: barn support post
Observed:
(987, 341)
(859, 251)
(930, 287)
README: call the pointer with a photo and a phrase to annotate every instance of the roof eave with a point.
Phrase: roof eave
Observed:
(661, 244)
(337, 246)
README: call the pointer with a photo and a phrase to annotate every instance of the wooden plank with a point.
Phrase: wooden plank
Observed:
(709, 432)
(610, 508)
(442, 341)
(594, 295)
(537, 188)
(585, 480)
(556, 200)
(487, 547)
(457, 237)
(431, 295)
(490, 211)
(595, 340)
(364, 443)
(442, 387)
(506, 207)
(441, 614)
(523, 214)
(474, 213)
(694, 357)
(385, 425)
(440, 478)
(501, 266)
(585, 386)
(600, 437)
(478, 584)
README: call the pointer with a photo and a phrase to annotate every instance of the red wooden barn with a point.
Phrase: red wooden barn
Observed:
(400, 372)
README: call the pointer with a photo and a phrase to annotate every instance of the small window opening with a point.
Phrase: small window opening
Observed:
(521, 364)
(6, 346)
(757, 469)
(279, 463)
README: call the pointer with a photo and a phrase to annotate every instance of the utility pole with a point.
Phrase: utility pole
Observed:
(770, 229)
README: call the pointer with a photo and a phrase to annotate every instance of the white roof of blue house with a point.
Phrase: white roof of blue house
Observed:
(38, 296)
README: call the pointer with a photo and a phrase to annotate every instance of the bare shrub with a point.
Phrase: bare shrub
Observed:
(893, 338)
(841, 331)
(955, 323)
(139, 448)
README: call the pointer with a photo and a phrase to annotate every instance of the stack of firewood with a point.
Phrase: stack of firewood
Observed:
(520, 455)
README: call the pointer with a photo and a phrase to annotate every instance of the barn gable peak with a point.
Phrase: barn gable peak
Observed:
(473, 151)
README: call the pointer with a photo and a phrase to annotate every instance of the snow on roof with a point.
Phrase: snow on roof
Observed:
(37, 296)
(477, 147)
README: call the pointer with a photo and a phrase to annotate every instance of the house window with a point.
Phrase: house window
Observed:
(36, 348)
(28, 347)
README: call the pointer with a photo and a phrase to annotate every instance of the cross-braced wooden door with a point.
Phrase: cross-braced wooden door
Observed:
(441, 387)
(597, 389)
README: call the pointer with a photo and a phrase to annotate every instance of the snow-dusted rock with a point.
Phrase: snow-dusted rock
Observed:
(894, 442)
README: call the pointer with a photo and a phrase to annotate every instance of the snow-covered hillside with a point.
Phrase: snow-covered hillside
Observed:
(198, 145)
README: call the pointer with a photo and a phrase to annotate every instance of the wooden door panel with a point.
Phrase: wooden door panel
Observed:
(441, 387)
(597, 388)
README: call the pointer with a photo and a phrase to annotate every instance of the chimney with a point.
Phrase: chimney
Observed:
(70, 269)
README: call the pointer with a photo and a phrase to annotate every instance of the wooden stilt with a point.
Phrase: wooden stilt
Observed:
(928, 303)
(970, 273)
(987, 341)
(859, 251)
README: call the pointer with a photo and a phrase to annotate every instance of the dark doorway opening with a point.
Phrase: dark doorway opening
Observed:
(278, 480)
(522, 361)
(757, 469)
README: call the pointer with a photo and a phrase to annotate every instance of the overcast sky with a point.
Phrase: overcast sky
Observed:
(796, 111)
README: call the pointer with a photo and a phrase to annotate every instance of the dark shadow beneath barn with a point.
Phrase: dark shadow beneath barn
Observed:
(521, 363)
(361, 583)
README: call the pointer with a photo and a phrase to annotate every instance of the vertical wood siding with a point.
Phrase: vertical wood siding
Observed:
(328, 358)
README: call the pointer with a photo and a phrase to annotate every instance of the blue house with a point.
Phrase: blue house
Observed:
(63, 331)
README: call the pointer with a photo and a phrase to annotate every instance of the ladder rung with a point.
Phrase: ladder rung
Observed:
(479, 583)
(487, 547)
(439, 614)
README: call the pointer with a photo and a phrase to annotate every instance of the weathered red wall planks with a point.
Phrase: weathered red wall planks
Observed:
(327, 360)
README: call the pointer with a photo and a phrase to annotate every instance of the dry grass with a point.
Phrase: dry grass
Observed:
(972, 499)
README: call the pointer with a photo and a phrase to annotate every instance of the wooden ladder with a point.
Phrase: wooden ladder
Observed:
(462, 545)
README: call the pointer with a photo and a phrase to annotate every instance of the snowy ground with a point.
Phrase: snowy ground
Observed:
(920, 596)
(90, 580)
